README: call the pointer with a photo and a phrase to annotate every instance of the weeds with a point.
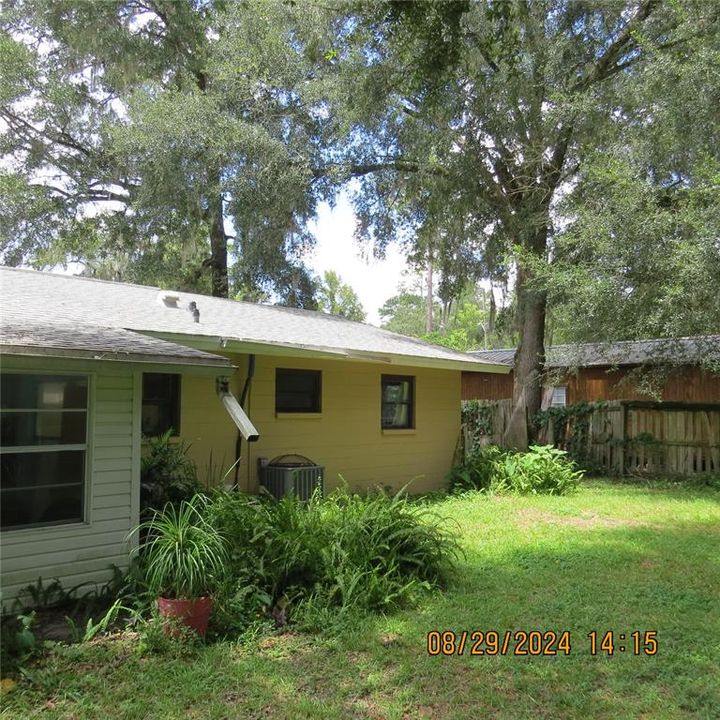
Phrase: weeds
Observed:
(17, 642)
(542, 470)
(166, 636)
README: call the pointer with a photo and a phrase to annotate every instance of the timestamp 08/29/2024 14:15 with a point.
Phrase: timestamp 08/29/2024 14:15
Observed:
(539, 643)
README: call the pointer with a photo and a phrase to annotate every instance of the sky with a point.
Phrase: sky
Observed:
(373, 280)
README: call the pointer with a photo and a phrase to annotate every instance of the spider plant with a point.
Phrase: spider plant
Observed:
(185, 555)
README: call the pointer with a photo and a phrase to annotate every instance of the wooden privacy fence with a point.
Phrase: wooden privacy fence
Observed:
(633, 437)
(622, 436)
(484, 422)
(668, 438)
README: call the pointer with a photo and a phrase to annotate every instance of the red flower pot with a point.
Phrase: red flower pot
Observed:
(194, 613)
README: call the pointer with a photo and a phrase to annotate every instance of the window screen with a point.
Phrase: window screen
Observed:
(559, 396)
(43, 449)
(398, 401)
(297, 391)
(161, 404)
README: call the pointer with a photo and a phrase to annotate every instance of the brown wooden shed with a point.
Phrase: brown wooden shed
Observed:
(610, 371)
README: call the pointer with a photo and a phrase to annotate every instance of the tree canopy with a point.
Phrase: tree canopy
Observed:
(150, 141)
(471, 322)
(338, 298)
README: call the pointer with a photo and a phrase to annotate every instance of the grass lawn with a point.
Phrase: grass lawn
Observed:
(615, 557)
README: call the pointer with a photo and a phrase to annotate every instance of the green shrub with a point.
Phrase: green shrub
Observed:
(167, 475)
(18, 643)
(344, 551)
(476, 472)
(542, 470)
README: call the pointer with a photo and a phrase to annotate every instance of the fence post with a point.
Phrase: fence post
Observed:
(623, 435)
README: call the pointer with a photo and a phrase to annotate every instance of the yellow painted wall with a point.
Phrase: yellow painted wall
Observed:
(345, 437)
(207, 428)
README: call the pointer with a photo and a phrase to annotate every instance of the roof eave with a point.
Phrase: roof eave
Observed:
(214, 343)
(21, 351)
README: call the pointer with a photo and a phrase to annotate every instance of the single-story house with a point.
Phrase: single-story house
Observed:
(89, 367)
(609, 371)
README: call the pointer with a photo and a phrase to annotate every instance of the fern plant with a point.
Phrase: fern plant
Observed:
(544, 469)
(167, 474)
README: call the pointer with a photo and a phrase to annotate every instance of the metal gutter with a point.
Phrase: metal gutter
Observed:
(214, 343)
(18, 351)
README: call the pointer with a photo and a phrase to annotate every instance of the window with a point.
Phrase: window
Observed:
(559, 396)
(398, 401)
(160, 404)
(297, 391)
(43, 449)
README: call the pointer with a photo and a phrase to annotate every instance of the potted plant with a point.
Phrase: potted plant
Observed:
(184, 557)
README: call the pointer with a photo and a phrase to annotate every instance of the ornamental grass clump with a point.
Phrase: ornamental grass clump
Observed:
(183, 554)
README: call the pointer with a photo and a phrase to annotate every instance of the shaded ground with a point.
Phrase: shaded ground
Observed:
(612, 557)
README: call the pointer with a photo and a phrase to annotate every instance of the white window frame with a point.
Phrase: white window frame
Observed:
(555, 389)
(86, 485)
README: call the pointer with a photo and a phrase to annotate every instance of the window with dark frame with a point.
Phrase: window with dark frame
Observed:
(160, 404)
(43, 449)
(398, 402)
(297, 391)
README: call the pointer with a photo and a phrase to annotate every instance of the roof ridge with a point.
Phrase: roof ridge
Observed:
(72, 276)
(282, 308)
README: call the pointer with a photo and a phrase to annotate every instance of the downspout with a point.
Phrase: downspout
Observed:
(239, 439)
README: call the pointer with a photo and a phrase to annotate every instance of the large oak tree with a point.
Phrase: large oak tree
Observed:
(153, 140)
(471, 122)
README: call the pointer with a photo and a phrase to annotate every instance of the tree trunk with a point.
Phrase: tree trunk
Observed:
(429, 303)
(216, 219)
(445, 314)
(218, 250)
(493, 311)
(530, 355)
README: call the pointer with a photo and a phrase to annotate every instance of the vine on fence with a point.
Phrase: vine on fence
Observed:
(571, 427)
(477, 416)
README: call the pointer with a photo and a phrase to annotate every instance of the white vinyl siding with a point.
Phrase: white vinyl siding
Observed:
(83, 552)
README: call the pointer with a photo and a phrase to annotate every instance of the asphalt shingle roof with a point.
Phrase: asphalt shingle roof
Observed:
(702, 348)
(27, 295)
(98, 343)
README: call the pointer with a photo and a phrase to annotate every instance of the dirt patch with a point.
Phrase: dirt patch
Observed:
(367, 708)
(530, 517)
(390, 638)
(281, 641)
